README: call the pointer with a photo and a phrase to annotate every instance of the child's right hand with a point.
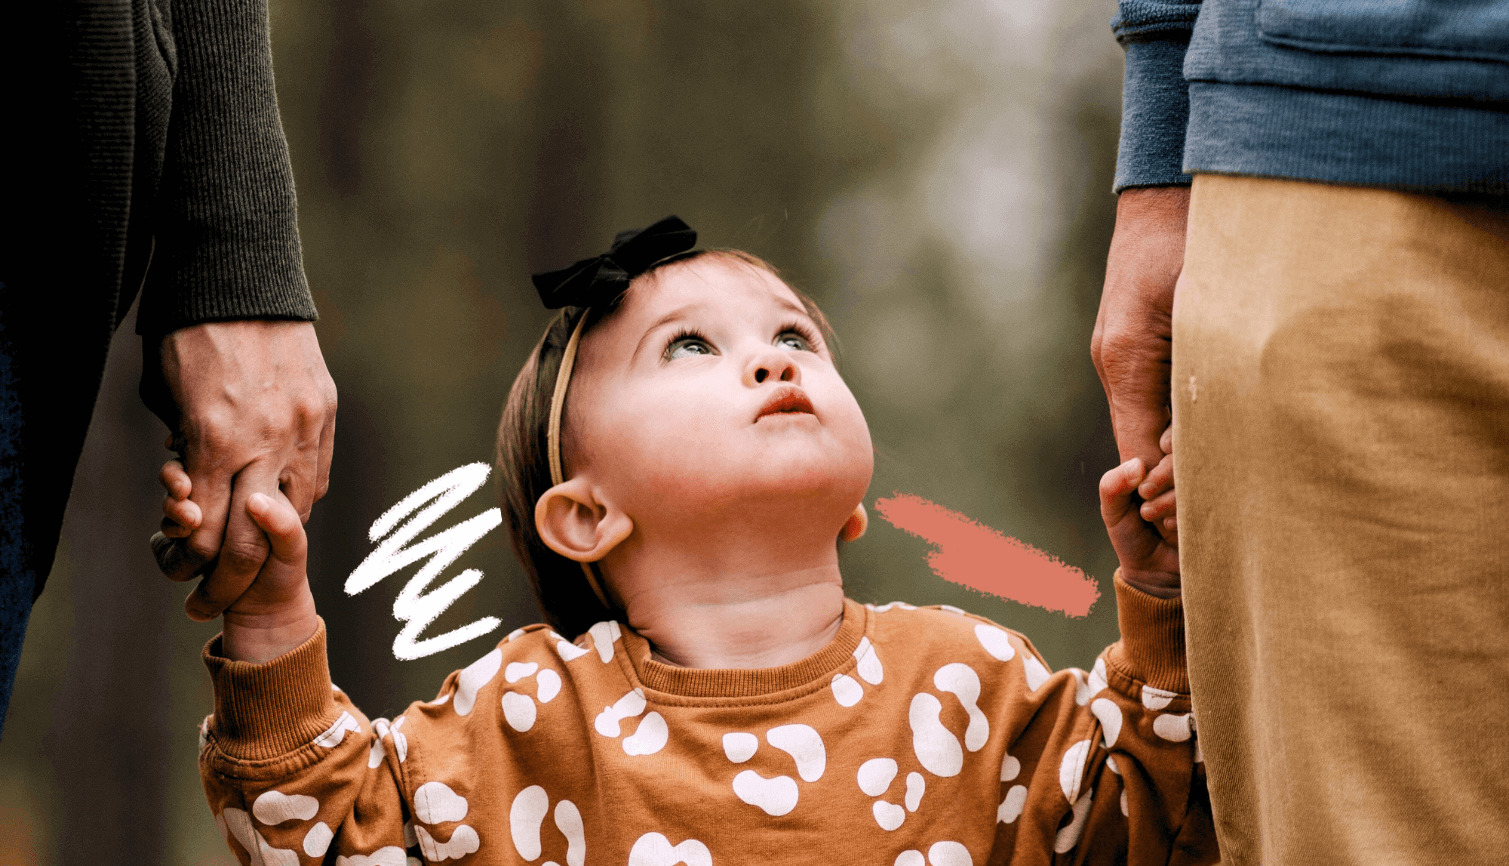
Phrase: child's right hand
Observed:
(276, 613)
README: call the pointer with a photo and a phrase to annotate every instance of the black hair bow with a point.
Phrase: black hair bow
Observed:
(601, 278)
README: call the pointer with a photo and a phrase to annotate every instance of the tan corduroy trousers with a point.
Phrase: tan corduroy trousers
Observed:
(1341, 444)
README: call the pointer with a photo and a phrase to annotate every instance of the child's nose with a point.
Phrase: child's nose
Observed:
(772, 364)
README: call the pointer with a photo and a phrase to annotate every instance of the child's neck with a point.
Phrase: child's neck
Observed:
(705, 610)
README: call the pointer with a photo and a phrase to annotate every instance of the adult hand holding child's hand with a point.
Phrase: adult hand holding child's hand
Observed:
(1132, 343)
(253, 407)
(1146, 539)
(276, 613)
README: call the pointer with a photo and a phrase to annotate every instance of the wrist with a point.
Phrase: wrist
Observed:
(264, 635)
(1159, 584)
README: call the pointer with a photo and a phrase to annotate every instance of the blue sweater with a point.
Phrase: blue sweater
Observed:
(1401, 93)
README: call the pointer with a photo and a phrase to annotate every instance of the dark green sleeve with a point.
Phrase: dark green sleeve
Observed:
(225, 227)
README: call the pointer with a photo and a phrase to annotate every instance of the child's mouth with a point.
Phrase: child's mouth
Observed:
(788, 400)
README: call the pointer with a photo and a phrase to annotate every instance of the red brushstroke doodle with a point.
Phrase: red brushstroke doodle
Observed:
(974, 555)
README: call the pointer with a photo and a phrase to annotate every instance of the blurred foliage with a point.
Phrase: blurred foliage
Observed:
(936, 174)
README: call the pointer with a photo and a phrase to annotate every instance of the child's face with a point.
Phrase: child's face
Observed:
(708, 395)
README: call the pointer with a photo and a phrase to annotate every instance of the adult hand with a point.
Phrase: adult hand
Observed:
(253, 407)
(1132, 342)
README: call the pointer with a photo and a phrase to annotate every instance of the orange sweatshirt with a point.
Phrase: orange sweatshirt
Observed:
(917, 736)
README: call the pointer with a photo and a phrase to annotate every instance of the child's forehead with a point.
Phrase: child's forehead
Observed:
(707, 282)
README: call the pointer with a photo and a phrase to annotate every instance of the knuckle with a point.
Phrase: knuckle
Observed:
(200, 548)
(239, 555)
(308, 411)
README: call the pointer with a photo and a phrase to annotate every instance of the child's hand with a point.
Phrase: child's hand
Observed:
(1148, 560)
(276, 613)
(1157, 491)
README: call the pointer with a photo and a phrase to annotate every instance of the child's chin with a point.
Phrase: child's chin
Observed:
(814, 483)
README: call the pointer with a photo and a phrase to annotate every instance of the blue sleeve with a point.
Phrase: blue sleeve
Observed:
(1155, 97)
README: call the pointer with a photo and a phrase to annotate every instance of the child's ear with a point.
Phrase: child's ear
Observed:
(574, 523)
(856, 525)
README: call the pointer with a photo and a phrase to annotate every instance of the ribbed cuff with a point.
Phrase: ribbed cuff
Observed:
(273, 708)
(1154, 115)
(1151, 649)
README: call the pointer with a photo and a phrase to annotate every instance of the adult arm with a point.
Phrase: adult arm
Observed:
(1132, 342)
(233, 364)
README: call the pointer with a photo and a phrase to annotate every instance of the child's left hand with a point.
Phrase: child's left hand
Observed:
(1149, 557)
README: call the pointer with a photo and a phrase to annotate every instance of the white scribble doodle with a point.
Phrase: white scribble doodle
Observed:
(417, 606)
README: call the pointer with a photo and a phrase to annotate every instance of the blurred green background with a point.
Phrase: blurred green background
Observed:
(937, 174)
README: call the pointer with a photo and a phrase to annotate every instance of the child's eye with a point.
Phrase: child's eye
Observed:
(686, 344)
(794, 336)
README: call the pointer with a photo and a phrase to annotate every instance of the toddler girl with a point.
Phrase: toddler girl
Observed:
(704, 693)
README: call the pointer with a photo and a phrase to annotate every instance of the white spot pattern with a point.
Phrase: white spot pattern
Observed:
(888, 815)
(275, 807)
(996, 642)
(519, 711)
(568, 819)
(463, 841)
(875, 775)
(524, 819)
(1110, 719)
(238, 824)
(869, 668)
(846, 690)
(1172, 727)
(653, 849)
(915, 786)
(649, 738)
(948, 853)
(1081, 687)
(400, 739)
(961, 681)
(390, 855)
(1010, 768)
(435, 803)
(626, 707)
(1098, 682)
(1034, 670)
(376, 753)
(1068, 837)
(604, 634)
(335, 733)
(1011, 807)
(1156, 699)
(527, 814)
(740, 746)
(936, 747)
(317, 840)
(805, 747)
(548, 684)
(473, 677)
(776, 796)
(1072, 768)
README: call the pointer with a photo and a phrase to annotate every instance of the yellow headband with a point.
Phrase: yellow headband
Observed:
(553, 434)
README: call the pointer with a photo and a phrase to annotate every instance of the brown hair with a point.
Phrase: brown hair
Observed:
(523, 460)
